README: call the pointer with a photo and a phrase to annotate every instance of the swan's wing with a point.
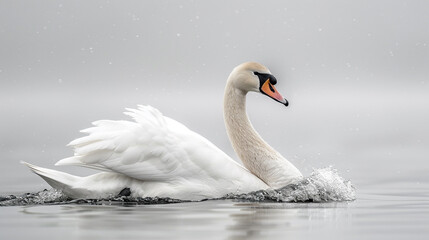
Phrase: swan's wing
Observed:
(153, 148)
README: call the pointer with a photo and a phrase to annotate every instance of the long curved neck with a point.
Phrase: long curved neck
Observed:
(257, 156)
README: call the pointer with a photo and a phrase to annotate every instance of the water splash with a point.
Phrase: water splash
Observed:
(323, 185)
(56, 197)
(51, 196)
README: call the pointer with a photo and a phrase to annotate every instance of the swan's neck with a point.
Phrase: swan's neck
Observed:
(257, 156)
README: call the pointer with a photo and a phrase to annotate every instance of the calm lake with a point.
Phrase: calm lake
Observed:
(396, 212)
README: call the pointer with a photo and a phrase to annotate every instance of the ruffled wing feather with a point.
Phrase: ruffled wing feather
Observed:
(153, 147)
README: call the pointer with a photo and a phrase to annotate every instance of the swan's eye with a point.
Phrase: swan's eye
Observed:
(256, 73)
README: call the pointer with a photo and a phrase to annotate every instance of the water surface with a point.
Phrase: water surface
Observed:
(397, 213)
(380, 211)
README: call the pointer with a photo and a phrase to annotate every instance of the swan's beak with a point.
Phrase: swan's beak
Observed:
(269, 90)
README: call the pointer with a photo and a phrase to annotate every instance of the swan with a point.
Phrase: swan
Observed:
(157, 156)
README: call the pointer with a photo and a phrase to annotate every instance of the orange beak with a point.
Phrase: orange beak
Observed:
(269, 90)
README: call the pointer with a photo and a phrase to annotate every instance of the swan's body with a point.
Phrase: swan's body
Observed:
(158, 156)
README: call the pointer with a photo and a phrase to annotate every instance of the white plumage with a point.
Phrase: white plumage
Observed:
(157, 156)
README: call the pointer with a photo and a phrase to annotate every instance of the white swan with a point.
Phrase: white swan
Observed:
(158, 156)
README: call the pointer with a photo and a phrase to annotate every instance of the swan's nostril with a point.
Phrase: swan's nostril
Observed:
(271, 88)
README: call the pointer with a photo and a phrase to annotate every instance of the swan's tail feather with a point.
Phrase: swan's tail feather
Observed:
(72, 161)
(58, 180)
(75, 161)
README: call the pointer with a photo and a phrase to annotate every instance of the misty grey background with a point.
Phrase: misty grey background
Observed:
(355, 73)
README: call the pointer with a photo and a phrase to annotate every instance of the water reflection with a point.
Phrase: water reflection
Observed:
(260, 220)
(224, 219)
(254, 219)
(385, 214)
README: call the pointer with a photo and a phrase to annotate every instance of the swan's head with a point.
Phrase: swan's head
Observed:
(254, 77)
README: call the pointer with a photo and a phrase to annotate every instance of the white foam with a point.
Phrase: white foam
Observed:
(323, 185)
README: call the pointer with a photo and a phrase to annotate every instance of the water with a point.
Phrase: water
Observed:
(393, 214)
(322, 206)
